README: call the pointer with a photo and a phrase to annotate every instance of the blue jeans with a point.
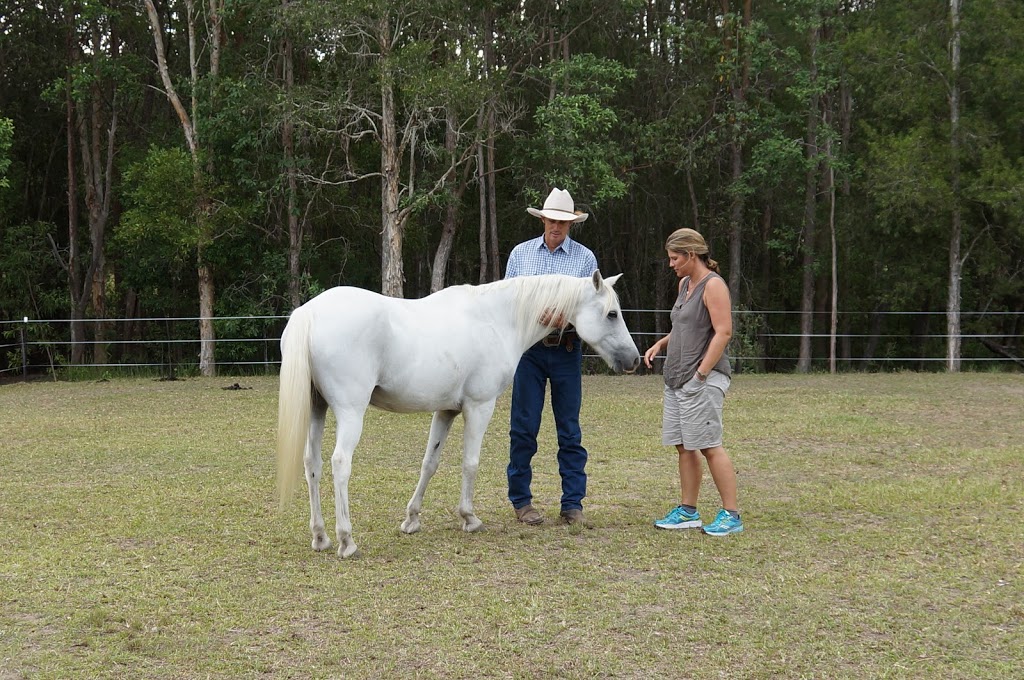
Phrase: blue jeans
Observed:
(539, 365)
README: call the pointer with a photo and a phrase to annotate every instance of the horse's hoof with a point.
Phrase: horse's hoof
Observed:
(472, 524)
(346, 551)
(410, 526)
(321, 543)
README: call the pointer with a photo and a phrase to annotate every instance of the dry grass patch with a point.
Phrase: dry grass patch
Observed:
(884, 515)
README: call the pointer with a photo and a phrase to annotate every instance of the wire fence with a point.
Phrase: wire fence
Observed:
(763, 341)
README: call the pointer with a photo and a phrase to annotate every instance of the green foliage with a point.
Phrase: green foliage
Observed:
(6, 138)
(576, 145)
(908, 176)
(31, 282)
(634, 106)
(157, 236)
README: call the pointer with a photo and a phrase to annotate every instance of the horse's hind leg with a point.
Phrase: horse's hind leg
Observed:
(314, 464)
(440, 426)
(350, 428)
(477, 418)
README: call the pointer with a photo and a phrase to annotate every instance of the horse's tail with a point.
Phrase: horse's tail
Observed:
(293, 403)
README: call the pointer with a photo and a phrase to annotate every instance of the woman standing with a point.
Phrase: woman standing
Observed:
(697, 376)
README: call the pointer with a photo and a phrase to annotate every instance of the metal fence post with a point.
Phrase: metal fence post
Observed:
(24, 354)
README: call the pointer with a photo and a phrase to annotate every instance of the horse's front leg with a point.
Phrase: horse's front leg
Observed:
(314, 464)
(440, 426)
(477, 417)
(350, 428)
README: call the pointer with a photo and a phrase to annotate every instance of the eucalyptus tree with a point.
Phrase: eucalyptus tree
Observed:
(953, 342)
(671, 138)
(101, 81)
(935, 111)
(205, 38)
(992, 146)
(32, 198)
(736, 67)
(815, 86)
(295, 226)
(389, 69)
(68, 102)
(576, 134)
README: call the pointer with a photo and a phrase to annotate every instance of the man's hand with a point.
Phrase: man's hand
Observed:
(551, 320)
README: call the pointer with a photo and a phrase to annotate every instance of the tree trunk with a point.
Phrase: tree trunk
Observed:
(492, 200)
(172, 95)
(391, 270)
(810, 206)
(835, 275)
(85, 132)
(763, 338)
(207, 336)
(98, 171)
(739, 96)
(955, 262)
(493, 255)
(736, 225)
(444, 247)
(692, 191)
(73, 266)
(877, 320)
(485, 178)
(288, 142)
(94, 200)
(451, 213)
(481, 174)
(189, 126)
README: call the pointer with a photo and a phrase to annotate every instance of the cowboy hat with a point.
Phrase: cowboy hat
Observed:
(559, 206)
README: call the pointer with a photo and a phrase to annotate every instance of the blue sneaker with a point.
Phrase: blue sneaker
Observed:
(678, 518)
(724, 525)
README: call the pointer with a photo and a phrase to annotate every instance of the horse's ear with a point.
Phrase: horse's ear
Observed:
(598, 279)
(610, 281)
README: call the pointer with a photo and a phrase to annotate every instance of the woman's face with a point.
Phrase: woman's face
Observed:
(680, 262)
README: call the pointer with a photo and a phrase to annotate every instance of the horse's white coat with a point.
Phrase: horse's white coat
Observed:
(451, 352)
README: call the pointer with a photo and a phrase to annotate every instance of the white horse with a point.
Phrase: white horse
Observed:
(451, 352)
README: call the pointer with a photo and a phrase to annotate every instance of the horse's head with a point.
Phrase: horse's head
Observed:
(598, 320)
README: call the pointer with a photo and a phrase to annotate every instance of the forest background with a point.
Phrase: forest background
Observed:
(214, 163)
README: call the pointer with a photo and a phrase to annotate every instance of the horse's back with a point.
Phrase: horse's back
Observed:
(426, 354)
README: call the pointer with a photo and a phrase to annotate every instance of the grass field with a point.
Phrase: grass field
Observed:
(140, 538)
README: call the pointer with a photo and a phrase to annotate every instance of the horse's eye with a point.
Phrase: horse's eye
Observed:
(613, 314)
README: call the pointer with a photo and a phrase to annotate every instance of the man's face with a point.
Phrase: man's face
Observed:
(555, 231)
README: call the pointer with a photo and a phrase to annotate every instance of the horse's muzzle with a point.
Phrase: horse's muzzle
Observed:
(627, 366)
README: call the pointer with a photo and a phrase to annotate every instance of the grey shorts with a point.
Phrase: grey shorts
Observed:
(692, 414)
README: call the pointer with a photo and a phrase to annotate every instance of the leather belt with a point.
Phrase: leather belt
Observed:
(557, 338)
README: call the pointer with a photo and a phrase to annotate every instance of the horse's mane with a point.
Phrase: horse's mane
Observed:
(559, 293)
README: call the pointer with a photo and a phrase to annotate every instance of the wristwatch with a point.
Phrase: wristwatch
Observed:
(701, 376)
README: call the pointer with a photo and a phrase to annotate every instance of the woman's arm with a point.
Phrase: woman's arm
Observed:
(655, 349)
(716, 299)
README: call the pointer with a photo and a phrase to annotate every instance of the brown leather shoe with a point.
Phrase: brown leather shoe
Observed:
(574, 516)
(529, 515)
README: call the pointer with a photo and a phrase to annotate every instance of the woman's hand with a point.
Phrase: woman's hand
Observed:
(654, 350)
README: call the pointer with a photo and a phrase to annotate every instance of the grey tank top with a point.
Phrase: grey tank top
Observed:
(691, 334)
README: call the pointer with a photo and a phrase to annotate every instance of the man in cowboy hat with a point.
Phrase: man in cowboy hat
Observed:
(557, 358)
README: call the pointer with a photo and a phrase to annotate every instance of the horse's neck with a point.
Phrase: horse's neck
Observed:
(526, 310)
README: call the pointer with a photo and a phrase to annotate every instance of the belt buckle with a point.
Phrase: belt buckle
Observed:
(552, 340)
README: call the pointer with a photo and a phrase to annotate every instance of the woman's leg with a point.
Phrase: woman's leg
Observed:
(724, 475)
(690, 474)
